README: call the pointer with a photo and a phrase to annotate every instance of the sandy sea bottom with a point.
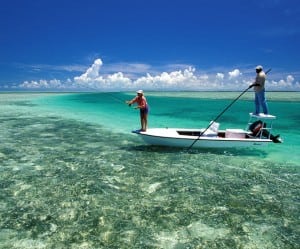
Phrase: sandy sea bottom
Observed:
(70, 184)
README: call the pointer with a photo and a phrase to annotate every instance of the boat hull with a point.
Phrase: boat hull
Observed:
(171, 137)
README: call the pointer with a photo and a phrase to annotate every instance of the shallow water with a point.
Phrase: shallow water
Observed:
(80, 179)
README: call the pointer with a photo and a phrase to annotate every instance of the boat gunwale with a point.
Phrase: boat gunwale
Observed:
(193, 138)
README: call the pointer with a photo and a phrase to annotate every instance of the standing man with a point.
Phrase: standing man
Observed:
(143, 106)
(259, 89)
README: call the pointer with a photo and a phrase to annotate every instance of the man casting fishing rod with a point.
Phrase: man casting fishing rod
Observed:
(143, 106)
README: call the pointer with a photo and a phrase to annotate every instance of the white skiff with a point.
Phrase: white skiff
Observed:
(257, 133)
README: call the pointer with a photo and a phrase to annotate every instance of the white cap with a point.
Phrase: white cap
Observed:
(259, 67)
(139, 91)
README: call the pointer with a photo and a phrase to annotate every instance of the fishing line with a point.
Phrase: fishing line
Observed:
(118, 99)
(115, 97)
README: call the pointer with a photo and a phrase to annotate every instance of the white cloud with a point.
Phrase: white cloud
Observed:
(183, 79)
(43, 84)
(287, 84)
(234, 74)
(220, 76)
(91, 74)
(92, 79)
(173, 80)
(290, 79)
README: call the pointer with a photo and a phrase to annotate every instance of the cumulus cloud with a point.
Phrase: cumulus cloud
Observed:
(220, 76)
(91, 74)
(176, 79)
(290, 79)
(183, 79)
(51, 84)
(234, 74)
(288, 83)
(92, 78)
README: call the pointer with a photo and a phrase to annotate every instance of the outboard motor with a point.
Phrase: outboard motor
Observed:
(257, 129)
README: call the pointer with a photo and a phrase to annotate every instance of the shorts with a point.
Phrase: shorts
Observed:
(144, 111)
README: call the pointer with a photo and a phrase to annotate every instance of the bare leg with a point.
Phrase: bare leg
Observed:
(144, 122)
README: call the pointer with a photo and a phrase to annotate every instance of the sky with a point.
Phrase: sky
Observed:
(121, 45)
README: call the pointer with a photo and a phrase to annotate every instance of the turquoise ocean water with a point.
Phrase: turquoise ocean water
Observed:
(72, 174)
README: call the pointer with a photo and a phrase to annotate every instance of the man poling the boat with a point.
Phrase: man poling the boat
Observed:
(143, 106)
(259, 89)
(224, 111)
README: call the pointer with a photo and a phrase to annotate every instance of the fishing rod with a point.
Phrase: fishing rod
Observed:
(211, 123)
(107, 93)
(115, 97)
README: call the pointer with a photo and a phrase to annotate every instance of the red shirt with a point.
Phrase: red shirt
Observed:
(141, 101)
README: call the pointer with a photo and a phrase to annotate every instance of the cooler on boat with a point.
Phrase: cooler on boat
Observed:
(235, 133)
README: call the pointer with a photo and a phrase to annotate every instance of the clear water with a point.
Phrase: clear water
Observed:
(73, 176)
